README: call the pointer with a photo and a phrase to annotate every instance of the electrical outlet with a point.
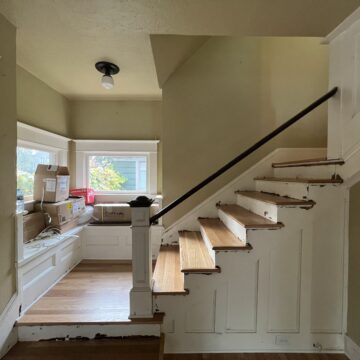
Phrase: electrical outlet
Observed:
(282, 340)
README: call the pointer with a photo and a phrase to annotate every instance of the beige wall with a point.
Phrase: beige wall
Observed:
(226, 96)
(7, 160)
(354, 266)
(119, 120)
(41, 106)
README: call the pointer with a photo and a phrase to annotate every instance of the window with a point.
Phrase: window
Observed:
(117, 169)
(119, 173)
(27, 161)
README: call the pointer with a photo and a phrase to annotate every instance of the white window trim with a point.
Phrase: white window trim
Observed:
(38, 139)
(86, 148)
(32, 137)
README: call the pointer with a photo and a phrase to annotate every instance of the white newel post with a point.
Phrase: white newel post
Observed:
(141, 292)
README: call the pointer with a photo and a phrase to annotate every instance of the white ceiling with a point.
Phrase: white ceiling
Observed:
(59, 41)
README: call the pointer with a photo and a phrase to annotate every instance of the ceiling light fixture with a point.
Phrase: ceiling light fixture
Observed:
(108, 69)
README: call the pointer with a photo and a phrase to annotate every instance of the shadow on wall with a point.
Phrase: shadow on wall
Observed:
(227, 95)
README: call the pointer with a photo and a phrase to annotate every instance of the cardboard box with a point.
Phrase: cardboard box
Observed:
(33, 224)
(51, 183)
(63, 211)
(68, 225)
(116, 213)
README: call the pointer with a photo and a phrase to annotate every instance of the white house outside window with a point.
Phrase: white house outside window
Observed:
(120, 173)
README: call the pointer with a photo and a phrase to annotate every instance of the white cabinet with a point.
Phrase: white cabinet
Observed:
(113, 242)
(38, 272)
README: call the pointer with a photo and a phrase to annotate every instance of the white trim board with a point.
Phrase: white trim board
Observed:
(116, 145)
(343, 26)
(86, 148)
(352, 350)
(9, 333)
(42, 137)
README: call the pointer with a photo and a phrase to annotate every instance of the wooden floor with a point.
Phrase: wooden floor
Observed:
(255, 356)
(134, 349)
(89, 293)
(141, 348)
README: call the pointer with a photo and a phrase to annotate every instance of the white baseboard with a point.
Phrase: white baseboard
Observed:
(352, 350)
(8, 333)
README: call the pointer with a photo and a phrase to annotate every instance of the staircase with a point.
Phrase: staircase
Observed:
(251, 273)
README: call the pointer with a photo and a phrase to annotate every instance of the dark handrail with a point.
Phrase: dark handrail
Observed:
(244, 154)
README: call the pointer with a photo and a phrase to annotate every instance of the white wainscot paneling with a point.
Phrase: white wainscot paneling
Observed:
(39, 273)
(114, 242)
(200, 311)
(242, 297)
(107, 242)
(70, 255)
(328, 261)
(284, 285)
(37, 278)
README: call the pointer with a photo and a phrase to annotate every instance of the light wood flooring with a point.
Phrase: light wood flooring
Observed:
(89, 293)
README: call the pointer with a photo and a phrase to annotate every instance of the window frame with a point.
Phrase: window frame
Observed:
(30, 137)
(33, 146)
(86, 148)
(117, 153)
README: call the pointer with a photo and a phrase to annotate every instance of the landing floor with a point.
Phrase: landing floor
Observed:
(89, 293)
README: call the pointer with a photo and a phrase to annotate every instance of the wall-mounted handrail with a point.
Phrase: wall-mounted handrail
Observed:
(244, 154)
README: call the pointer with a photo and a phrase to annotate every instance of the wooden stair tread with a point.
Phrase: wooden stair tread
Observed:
(301, 180)
(194, 255)
(247, 218)
(220, 237)
(309, 162)
(168, 278)
(275, 199)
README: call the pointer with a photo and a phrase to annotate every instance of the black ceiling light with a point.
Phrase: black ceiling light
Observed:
(108, 69)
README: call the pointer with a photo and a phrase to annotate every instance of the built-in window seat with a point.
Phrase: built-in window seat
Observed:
(42, 263)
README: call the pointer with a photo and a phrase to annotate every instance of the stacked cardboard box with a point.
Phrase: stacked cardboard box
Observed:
(63, 213)
(51, 188)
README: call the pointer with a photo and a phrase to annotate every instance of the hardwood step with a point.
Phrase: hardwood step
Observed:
(168, 278)
(275, 199)
(194, 255)
(337, 180)
(309, 162)
(220, 237)
(248, 219)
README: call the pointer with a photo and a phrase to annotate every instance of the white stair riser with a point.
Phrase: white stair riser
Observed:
(208, 244)
(37, 333)
(237, 229)
(320, 172)
(291, 189)
(269, 211)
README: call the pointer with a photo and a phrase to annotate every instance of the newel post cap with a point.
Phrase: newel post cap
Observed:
(141, 201)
